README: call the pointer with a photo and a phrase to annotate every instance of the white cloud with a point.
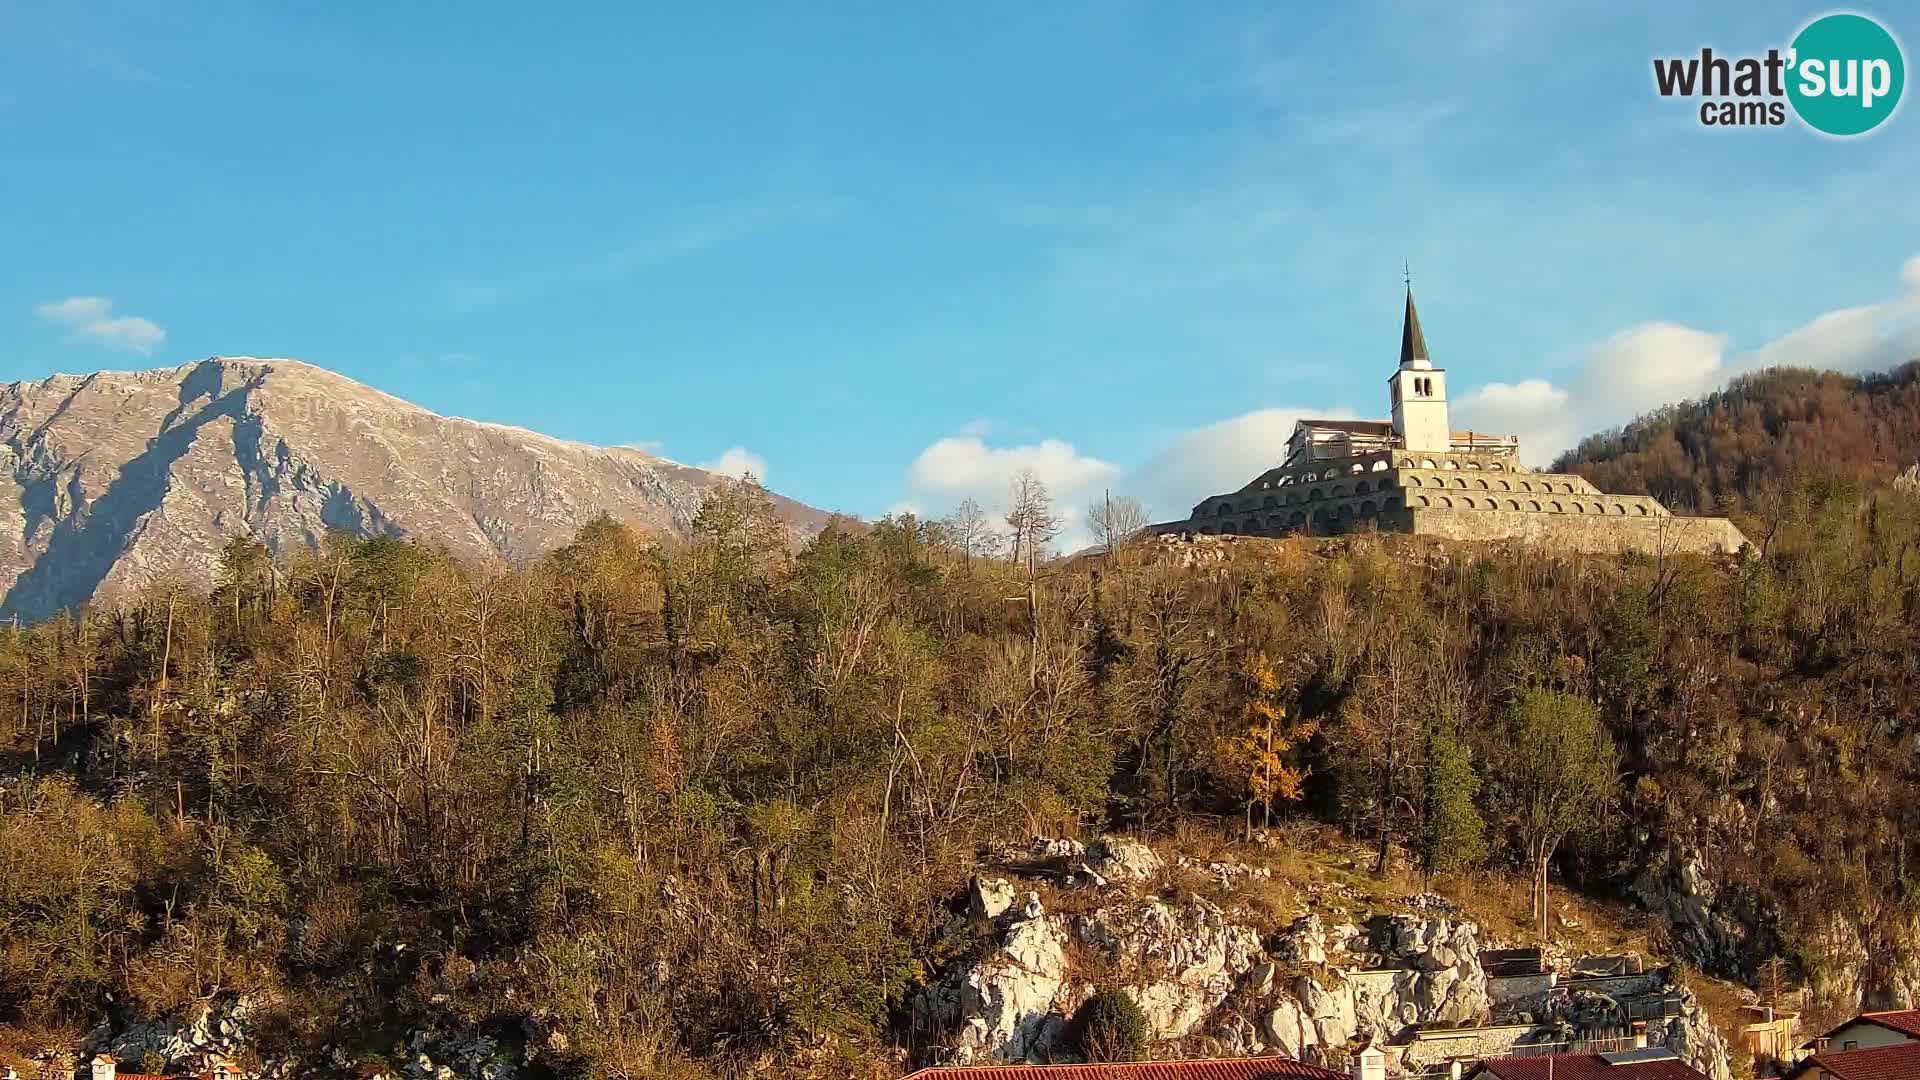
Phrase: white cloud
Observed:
(1219, 457)
(737, 461)
(91, 318)
(1648, 365)
(1534, 409)
(960, 466)
(76, 310)
(965, 467)
(1653, 364)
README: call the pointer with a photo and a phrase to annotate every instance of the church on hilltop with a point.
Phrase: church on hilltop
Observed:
(1415, 474)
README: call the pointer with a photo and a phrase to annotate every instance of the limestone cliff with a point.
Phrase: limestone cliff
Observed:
(1208, 983)
(120, 478)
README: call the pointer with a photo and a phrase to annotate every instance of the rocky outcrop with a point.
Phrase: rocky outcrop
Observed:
(456, 1056)
(1010, 1005)
(1196, 972)
(1693, 1038)
(1208, 981)
(119, 478)
(220, 1029)
(1722, 930)
(1177, 963)
(228, 1029)
(1439, 977)
(1127, 862)
(1867, 961)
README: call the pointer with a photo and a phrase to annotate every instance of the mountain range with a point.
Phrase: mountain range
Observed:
(121, 479)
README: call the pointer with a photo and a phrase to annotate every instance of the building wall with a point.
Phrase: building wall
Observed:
(1520, 991)
(1583, 532)
(1867, 1035)
(1454, 496)
(1473, 1043)
(1617, 986)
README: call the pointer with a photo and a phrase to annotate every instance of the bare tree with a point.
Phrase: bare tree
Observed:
(1113, 521)
(970, 529)
(1031, 517)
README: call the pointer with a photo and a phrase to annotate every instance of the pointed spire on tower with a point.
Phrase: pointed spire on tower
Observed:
(1413, 343)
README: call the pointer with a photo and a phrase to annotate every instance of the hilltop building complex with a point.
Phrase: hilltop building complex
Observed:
(1415, 474)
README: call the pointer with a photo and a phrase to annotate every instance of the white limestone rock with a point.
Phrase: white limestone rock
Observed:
(989, 899)
(1329, 1011)
(1124, 861)
(1044, 848)
(1288, 1028)
(1304, 942)
(1008, 1006)
(1444, 981)
(1183, 961)
(1693, 1039)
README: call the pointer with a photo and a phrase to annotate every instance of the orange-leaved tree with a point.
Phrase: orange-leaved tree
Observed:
(1258, 755)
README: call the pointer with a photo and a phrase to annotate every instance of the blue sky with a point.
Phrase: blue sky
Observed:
(892, 256)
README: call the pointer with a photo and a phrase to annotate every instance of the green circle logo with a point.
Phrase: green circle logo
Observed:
(1846, 74)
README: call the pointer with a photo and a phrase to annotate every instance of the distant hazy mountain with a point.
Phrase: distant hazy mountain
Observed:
(120, 478)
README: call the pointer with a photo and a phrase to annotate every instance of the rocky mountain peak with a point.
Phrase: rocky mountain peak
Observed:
(121, 478)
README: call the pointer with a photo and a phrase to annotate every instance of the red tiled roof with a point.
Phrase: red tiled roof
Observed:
(1275, 1068)
(1584, 1067)
(1901, 1061)
(1904, 1021)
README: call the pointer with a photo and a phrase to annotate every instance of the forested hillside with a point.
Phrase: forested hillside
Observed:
(1732, 450)
(670, 807)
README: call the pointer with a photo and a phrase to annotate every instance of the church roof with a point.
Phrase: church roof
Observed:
(1413, 343)
(1352, 427)
(1385, 427)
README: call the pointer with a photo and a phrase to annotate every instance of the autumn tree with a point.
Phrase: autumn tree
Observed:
(1259, 753)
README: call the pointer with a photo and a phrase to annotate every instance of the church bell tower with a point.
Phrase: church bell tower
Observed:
(1419, 391)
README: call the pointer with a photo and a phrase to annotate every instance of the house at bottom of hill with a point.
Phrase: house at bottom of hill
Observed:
(105, 1067)
(1651, 1063)
(1897, 1061)
(1871, 1046)
(1868, 1030)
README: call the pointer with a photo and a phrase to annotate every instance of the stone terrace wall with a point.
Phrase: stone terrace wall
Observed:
(1583, 532)
(1520, 991)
